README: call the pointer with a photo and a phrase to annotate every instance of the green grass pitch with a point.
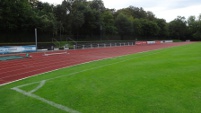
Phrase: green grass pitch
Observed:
(159, 81)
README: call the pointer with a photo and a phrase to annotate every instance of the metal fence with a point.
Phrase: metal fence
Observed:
(102, 44)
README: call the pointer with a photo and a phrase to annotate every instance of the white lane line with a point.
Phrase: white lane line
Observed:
(56, 105)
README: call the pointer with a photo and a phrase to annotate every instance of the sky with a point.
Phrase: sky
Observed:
(166, 9)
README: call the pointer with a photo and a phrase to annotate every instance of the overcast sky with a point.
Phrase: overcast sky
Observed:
(166, 9)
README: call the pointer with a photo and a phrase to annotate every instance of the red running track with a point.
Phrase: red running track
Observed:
(13, 70)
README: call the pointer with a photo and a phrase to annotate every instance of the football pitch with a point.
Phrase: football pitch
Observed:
(159, 81)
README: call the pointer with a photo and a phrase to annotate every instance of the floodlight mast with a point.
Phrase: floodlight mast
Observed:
(36, 39)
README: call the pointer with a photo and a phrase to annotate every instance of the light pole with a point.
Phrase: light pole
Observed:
(36, 39)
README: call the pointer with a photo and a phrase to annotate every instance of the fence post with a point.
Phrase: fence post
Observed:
(74, 47)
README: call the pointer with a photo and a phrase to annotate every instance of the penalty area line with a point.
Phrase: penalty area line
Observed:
(30, 94)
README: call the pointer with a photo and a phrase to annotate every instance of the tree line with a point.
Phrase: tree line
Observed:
(89, 20)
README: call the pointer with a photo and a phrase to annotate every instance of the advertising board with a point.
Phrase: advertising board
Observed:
(17, 49)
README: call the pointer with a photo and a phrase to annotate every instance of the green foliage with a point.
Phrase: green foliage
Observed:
(124, 25)
(178, 28)
(137, 12)
(14, 14)
(108, 23)
(146, 28)
(84, 19)
(194, 27)
(163, 28)
(150, 28)
(97, 5)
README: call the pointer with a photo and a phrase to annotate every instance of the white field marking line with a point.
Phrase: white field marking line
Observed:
(59, 106)
(85, 63)
(42, 83)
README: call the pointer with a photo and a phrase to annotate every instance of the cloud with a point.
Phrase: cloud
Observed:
(171, 14)
(184, 8)
(166, 9)
(52, 1)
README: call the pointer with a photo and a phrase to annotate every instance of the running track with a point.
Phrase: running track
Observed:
(13, 70)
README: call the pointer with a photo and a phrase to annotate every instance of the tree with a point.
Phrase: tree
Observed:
(178, 28)
(197, 34)
(46, 18)
(62, 14)
(93, 23)
(97, 5)
(150, 28)
(77, 17)
(150, 15)
(137, 12)
(124, 25)
(145, 29)
(191, 20)
(194, 28)
(137, 28)
(89, 19)
(191, 26)
(163, 28)
(33, 3)
(108, 23)
(78, 21)
(15, 15)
